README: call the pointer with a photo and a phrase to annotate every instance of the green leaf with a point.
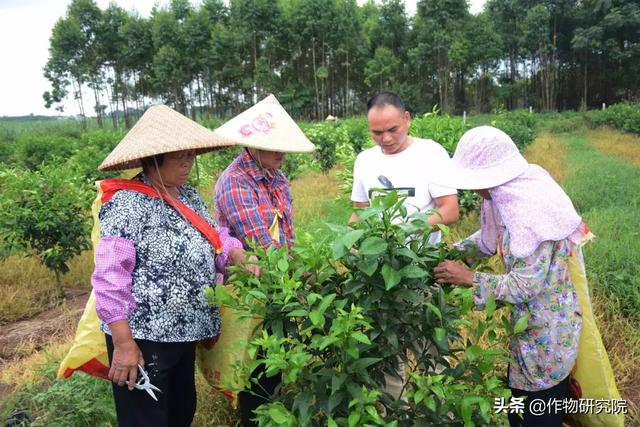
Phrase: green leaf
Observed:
(298, 313)
(365, 362)
(326, 342)
(360, 337)
(472, 353)
(490, 306)
(413, 272)
(354, 418)
(317, 318)
(337, 228)
(372, 246)
(521, 324)
(435, 310)
(391, 277)
(368, 265)
(336, 382)
(338, 250)
(283, 265)
(278, 414)
(349, 239)
(331, 423)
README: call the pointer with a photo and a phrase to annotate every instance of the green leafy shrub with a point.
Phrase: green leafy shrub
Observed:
(622, 116)
(341, 314)
(43, 213)
(519, 125)
(32, 150)
(326, 137)
(445, 130)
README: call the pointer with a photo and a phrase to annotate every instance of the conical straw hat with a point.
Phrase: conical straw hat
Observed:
(161, 130)
(267, 126)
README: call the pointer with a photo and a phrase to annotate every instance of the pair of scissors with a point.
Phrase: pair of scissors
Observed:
(143, 383)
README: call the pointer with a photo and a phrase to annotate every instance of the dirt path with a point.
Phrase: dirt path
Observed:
(22, 338)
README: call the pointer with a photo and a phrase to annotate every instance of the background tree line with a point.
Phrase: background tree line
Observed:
(328, 56)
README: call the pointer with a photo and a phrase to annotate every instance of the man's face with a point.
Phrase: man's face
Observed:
(389, 128)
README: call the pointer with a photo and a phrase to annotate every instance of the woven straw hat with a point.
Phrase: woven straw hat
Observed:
(267, 126)
(485, 157)
(161, 130)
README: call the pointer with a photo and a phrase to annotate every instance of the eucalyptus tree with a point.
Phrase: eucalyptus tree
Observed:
(441, 23)
(72, 53)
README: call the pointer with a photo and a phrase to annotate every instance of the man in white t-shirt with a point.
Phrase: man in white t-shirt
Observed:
(398, 162)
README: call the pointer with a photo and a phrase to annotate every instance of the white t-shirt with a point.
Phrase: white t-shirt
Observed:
(403, 172)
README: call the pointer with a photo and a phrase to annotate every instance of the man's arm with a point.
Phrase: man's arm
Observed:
(354, 216)
(447, 206)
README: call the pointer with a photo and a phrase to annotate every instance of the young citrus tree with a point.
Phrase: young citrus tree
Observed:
(43, 213)
(343, 318)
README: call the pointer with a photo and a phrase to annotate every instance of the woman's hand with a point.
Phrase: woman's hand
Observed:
(126, 355)
(454, 273)
(238, 257)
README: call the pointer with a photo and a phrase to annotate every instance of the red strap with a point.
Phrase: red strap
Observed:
(111, 186)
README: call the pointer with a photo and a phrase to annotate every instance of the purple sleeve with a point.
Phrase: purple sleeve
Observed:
(223, 260)
(111, 279)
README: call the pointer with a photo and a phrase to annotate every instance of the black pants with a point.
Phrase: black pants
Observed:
(259, 394)
(171, 368)
(546, 418)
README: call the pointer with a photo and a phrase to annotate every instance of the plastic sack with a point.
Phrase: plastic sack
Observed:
(88, 352)
(217, 365)
(593, 370)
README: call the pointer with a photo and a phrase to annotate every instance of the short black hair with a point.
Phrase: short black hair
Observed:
(151, 161)
(386, 98)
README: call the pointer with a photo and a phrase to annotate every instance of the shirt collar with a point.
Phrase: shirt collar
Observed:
(249, 165)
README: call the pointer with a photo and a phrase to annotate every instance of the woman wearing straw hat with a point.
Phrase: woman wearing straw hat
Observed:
(159, 249)
(253, 197)
(531, 223)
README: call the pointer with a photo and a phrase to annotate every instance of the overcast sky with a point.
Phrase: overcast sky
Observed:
(25, 27)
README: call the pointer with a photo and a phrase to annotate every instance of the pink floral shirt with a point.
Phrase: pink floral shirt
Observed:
(539, 286)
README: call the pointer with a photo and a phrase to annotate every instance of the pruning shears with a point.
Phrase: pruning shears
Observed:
(143, 383)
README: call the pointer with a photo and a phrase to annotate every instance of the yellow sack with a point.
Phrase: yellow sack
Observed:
(88, 352)
(217, 365)
(593, 370)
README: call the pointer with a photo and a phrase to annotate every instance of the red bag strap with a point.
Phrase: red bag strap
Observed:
(111, 186)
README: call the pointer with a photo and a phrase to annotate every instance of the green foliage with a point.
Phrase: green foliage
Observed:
(519, 125)
(326, 137)
(343, 311)
(443, 129)
(32, 150)
(81, 400)
(624, 117)
(43, 212)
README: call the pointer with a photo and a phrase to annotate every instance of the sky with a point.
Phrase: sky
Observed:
(25, 28)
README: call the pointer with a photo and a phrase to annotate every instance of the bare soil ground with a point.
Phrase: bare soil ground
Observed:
(25, 337)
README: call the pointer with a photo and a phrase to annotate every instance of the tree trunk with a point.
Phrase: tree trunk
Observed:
(315, 77)
(78, 95)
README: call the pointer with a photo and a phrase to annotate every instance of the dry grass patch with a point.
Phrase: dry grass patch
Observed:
(28, 288)
(310, 192)
(548, 152)
(616, 144)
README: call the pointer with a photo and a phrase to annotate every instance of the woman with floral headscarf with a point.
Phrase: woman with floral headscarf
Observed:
(529, 221)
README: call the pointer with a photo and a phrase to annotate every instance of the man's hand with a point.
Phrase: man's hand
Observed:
(454, 273)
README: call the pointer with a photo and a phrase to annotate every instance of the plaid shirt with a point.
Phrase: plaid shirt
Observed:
(246, 201)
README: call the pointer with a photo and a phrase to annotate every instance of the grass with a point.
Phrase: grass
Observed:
(622, 146)
(28, 288)
(606, 192)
